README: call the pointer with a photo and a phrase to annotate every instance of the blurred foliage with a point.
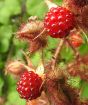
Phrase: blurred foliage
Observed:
(75, 82)
(12, 13)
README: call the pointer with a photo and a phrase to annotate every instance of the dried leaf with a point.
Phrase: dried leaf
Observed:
(37, 44)
(33, 32)
(30, 29)
(17, 67)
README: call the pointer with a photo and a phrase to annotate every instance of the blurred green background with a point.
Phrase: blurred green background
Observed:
(12, 14)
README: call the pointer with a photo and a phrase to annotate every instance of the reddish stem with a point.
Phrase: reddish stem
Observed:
(57, 52)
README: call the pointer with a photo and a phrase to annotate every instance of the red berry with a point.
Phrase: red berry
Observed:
(29, 85)
(59, 21)
(76, 40)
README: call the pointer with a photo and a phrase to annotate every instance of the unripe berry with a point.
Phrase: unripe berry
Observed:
(76, 40)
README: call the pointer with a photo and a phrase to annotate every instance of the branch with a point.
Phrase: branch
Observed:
(28, 61)
(57, 52)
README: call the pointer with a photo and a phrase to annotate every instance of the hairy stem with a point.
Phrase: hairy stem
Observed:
(57, 52)
(55, 93)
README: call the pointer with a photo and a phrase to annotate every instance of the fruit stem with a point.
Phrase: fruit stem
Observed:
(57, 52)
(50, 4)
(28, 61)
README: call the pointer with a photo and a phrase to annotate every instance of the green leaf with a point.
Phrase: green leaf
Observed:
(2, 63)
(4, 15)
(47, 55)
(1, 85)
(12, 95)
(36, 8)
(19, 45)
(84, 49)
(36, 58)
(13, 6)
(9, 8)
(1, 3)
(84, 90)
(5, 32)
(4, 45)
(74, 82)
(14, 99)
(52, 43)
(58, 2)
(5, 35)
(67, 53)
